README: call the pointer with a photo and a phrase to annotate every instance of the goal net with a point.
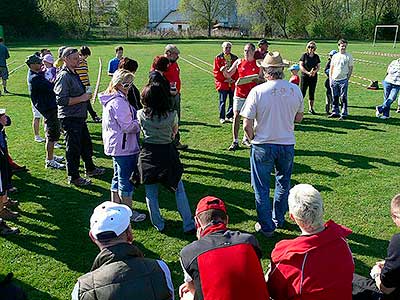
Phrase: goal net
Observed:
(387, 26)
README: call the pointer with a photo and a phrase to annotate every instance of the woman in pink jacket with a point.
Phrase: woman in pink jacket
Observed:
(120, 130)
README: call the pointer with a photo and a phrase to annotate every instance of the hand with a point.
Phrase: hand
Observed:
(223, 68)
(380, 264)
(86, 97)
(3, 120)
(183, 289)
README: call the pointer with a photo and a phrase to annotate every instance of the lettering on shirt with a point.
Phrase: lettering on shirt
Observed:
(282, 92)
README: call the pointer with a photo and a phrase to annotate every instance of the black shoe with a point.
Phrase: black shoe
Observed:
(180, 146)
(234, 146)
(334, 115)
(312, 112)
(7, 230)
(6, 91)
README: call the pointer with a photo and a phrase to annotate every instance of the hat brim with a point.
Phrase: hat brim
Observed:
(285, 63)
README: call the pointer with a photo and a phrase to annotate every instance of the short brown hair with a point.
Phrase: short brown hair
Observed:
(212, 215)
(128, 64)
(85, 50)
(160, 63)
(395, 203)
(118, 48)
(342, 41)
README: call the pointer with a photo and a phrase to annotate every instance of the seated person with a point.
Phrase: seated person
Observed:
(316, 265)
(385, 282)
(120, 270)
(222, 264)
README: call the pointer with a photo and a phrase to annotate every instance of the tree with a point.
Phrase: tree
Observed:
(207, 11)
(132, 14)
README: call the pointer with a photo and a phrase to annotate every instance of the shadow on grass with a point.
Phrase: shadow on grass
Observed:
(196, 123)
(352, 161)
(30, 291)
(335, 125)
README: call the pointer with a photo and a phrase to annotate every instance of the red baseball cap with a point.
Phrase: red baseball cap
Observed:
(210, 202)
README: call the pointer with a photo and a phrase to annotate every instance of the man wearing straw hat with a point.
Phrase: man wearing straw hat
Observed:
(269, 114)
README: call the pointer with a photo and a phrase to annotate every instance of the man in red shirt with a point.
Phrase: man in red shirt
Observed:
(316, 265)
(246, 66)
(225, 86)
(222, 264)
(173, 75)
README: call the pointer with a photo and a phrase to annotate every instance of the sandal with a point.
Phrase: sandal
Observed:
(137, 216)
(7, 214)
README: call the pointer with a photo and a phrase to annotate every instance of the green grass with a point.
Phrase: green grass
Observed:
(354, 163)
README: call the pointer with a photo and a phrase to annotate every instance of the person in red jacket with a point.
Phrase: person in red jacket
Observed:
(244, 67)
(225, 86)
(316, 265)
(222, 264)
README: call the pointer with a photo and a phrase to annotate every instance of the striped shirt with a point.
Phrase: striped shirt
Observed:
(83, 72)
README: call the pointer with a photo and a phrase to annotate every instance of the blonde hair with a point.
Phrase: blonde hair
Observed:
(305, 204)
(311, 43)
(120, 76)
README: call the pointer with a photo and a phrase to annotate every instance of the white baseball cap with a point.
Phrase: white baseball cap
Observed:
(110, 217)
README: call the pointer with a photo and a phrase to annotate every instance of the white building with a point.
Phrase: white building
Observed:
(164, 14)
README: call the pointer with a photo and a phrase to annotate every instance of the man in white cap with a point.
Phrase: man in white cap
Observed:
(120, 271)
(269, 114)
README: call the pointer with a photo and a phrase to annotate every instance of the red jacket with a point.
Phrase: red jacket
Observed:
(319, 266)
(173, 75)
(219, 77)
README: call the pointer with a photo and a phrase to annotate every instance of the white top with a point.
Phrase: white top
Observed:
(273, 106)
(393, 72)
(341, 63)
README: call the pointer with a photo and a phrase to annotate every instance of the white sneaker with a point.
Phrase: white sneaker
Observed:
(39, 139)
(58, 159)
(57, 145)
(222, 121)
(52, 164)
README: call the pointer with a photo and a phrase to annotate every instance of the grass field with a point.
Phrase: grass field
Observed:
(354, 163)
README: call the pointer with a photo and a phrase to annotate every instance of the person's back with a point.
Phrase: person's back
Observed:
(4, 55)
(228, 266)
(120, 272)
(276, 103)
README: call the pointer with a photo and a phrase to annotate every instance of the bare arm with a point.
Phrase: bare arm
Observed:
(302, 69)
(248, 128)
(232, 69)
(298, 117)
(350, 72)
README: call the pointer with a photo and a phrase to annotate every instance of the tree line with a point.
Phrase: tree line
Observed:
(322, 19)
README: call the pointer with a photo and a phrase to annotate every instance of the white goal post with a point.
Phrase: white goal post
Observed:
(387, 26)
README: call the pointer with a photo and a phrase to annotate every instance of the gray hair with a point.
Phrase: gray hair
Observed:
(305, 204)
(224, 44)
(274, 72)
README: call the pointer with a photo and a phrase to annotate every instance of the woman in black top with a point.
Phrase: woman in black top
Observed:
(309, 67)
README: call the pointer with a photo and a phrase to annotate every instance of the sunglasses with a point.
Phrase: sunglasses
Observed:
(126, 85)
(311, 47)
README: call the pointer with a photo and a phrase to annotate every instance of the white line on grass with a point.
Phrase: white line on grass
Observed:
(16, 69)
(377, 53)
(200, 60)
(196, 66)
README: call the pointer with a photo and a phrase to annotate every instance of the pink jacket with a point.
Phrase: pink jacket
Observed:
(120, 126)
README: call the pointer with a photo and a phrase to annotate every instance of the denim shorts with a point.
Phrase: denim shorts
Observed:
(238, 103)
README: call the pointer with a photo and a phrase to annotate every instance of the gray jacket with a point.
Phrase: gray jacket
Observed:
(68, 85)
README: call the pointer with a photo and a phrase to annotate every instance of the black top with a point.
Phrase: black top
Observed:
(42, 94)
(309, 62)
(134, 97)
(390, 275)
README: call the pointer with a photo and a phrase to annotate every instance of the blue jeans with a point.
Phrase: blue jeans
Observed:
(222, 100)
(390, 92)
(123, 168)
(339, 90)
(181, 202)
(263, 159)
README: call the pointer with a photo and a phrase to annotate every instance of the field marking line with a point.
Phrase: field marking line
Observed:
(11, 62)
(354, 82)
(196, 66)
(369, 62)
(375, 53)
(200, 60)
(16, 69)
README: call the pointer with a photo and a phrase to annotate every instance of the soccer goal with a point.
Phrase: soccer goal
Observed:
(387, 26)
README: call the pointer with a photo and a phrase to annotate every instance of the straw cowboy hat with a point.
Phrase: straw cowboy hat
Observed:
(273, 59)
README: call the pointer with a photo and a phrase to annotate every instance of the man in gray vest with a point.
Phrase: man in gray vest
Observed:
(120, 271)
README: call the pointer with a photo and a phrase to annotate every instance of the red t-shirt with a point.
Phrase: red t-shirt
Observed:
(295, 79)
(246, 68)
(172, 74)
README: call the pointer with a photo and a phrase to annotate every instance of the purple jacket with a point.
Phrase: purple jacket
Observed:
(120, 126)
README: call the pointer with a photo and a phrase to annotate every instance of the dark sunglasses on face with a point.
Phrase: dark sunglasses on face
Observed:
(126, 85)
(311, 47)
